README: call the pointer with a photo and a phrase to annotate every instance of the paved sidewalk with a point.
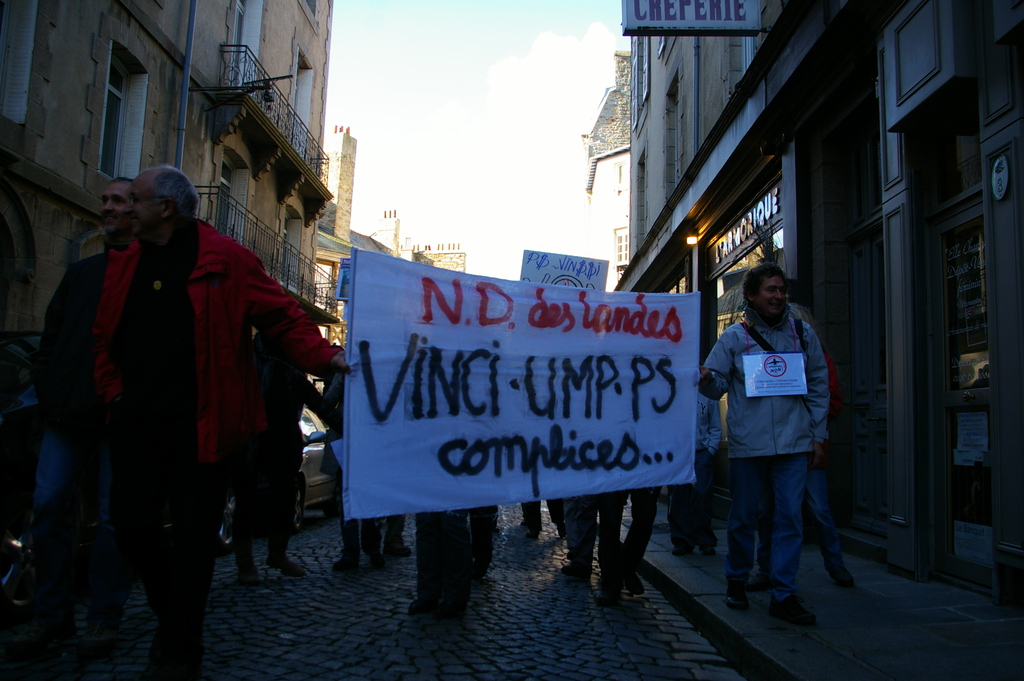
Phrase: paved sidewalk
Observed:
(886, 627)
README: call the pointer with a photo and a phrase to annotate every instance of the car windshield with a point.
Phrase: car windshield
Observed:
(309, 423)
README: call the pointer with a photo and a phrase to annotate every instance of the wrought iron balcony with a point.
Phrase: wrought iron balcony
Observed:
(242, 70)
(282, 261)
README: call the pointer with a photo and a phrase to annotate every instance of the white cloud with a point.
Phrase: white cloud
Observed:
(501, 171)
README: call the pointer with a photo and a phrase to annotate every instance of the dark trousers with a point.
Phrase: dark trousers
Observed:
(531, 514)
(616, 557)
(444, 556)
(351, 538)
(278, 454)
(155, 465)
(482, 523)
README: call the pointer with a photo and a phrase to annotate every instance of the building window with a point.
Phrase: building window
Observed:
(312, 6)
(303, 88)
(17, 36)
(640, 223)
(672, 137)
(622, 246)
(237, 37)
(640, 76)
(124, 110)
(252, 22)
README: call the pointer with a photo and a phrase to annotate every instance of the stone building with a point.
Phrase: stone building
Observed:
(870, 147)
(91, 90)
(606, 217)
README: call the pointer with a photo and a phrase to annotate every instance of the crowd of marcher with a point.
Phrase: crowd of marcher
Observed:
(149, 363)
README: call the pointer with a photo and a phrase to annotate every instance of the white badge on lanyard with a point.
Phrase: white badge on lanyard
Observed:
(775, 373)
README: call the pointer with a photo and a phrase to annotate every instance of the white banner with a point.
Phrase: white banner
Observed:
(470, 391)
(563, 270)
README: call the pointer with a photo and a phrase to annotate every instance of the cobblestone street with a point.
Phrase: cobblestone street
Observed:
(525, 621)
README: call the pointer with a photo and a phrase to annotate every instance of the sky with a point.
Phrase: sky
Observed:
(468, 117)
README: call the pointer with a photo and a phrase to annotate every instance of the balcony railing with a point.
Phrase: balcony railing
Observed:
(241, 69)
(283, 262)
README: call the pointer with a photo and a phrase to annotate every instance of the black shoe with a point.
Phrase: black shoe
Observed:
(759, 582)
(576, 570)
(377, 561)
(707, 550)
(345, 564)
(842, 576)
(736, 595)
(633, 584)
(400, 551)
(562, 532)
(789, 609)
(532, 533)
(97, 642)
(449, 609)
(422, 605)
(33, 642)
(605, 599)
(682, 549)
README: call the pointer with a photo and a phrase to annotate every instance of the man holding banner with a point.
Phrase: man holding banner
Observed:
(775, 373)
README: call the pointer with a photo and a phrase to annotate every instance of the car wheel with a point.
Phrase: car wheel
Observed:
(332, 508)
(226, 535)
(17, 559)
(300, 504)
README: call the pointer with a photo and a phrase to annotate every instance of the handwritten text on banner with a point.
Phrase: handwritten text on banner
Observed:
(469, 391)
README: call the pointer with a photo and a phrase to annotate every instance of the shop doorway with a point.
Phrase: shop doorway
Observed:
(869, 382)
(960, 413)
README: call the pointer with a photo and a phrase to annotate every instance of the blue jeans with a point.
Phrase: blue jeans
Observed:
(816, 498)
(351, 539)
(63, 457)
(581, 529)
(786, 476)
(689, 506)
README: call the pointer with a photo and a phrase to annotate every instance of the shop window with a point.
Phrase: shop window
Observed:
(124, 111)
(17, 35)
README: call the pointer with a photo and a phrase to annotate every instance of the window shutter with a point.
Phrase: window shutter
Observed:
(134, 125)
(253, 24)
(21, 35)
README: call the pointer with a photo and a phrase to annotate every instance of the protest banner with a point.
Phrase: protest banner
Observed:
(563, 270)
(470, 391)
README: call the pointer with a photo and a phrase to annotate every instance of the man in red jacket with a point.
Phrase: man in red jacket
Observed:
(174, 360)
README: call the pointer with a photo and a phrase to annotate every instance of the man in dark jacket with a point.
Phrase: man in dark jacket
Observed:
(75, 435)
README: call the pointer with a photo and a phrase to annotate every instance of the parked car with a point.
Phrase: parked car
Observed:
(20, 435)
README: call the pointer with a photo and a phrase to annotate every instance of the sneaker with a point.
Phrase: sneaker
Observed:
(377, 561)
(789, 609)
(842, 576)
(576, 570)
(633, 584)
(736, 595)
(400, 551)
(682, 549)
(97, 642)
(33, 642)
(707, 550)
(345, 564)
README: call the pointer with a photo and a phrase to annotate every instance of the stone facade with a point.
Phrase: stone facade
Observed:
(85, 58)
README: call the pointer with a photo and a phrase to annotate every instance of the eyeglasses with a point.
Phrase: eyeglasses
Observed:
(135, 198)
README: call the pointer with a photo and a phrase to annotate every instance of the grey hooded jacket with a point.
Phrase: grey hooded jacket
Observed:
(766, 426)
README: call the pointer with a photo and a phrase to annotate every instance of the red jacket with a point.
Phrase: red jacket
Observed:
(230, 294)
(835, 401)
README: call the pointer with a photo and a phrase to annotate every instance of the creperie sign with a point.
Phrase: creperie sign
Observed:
(754, 222)
(691, 17)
